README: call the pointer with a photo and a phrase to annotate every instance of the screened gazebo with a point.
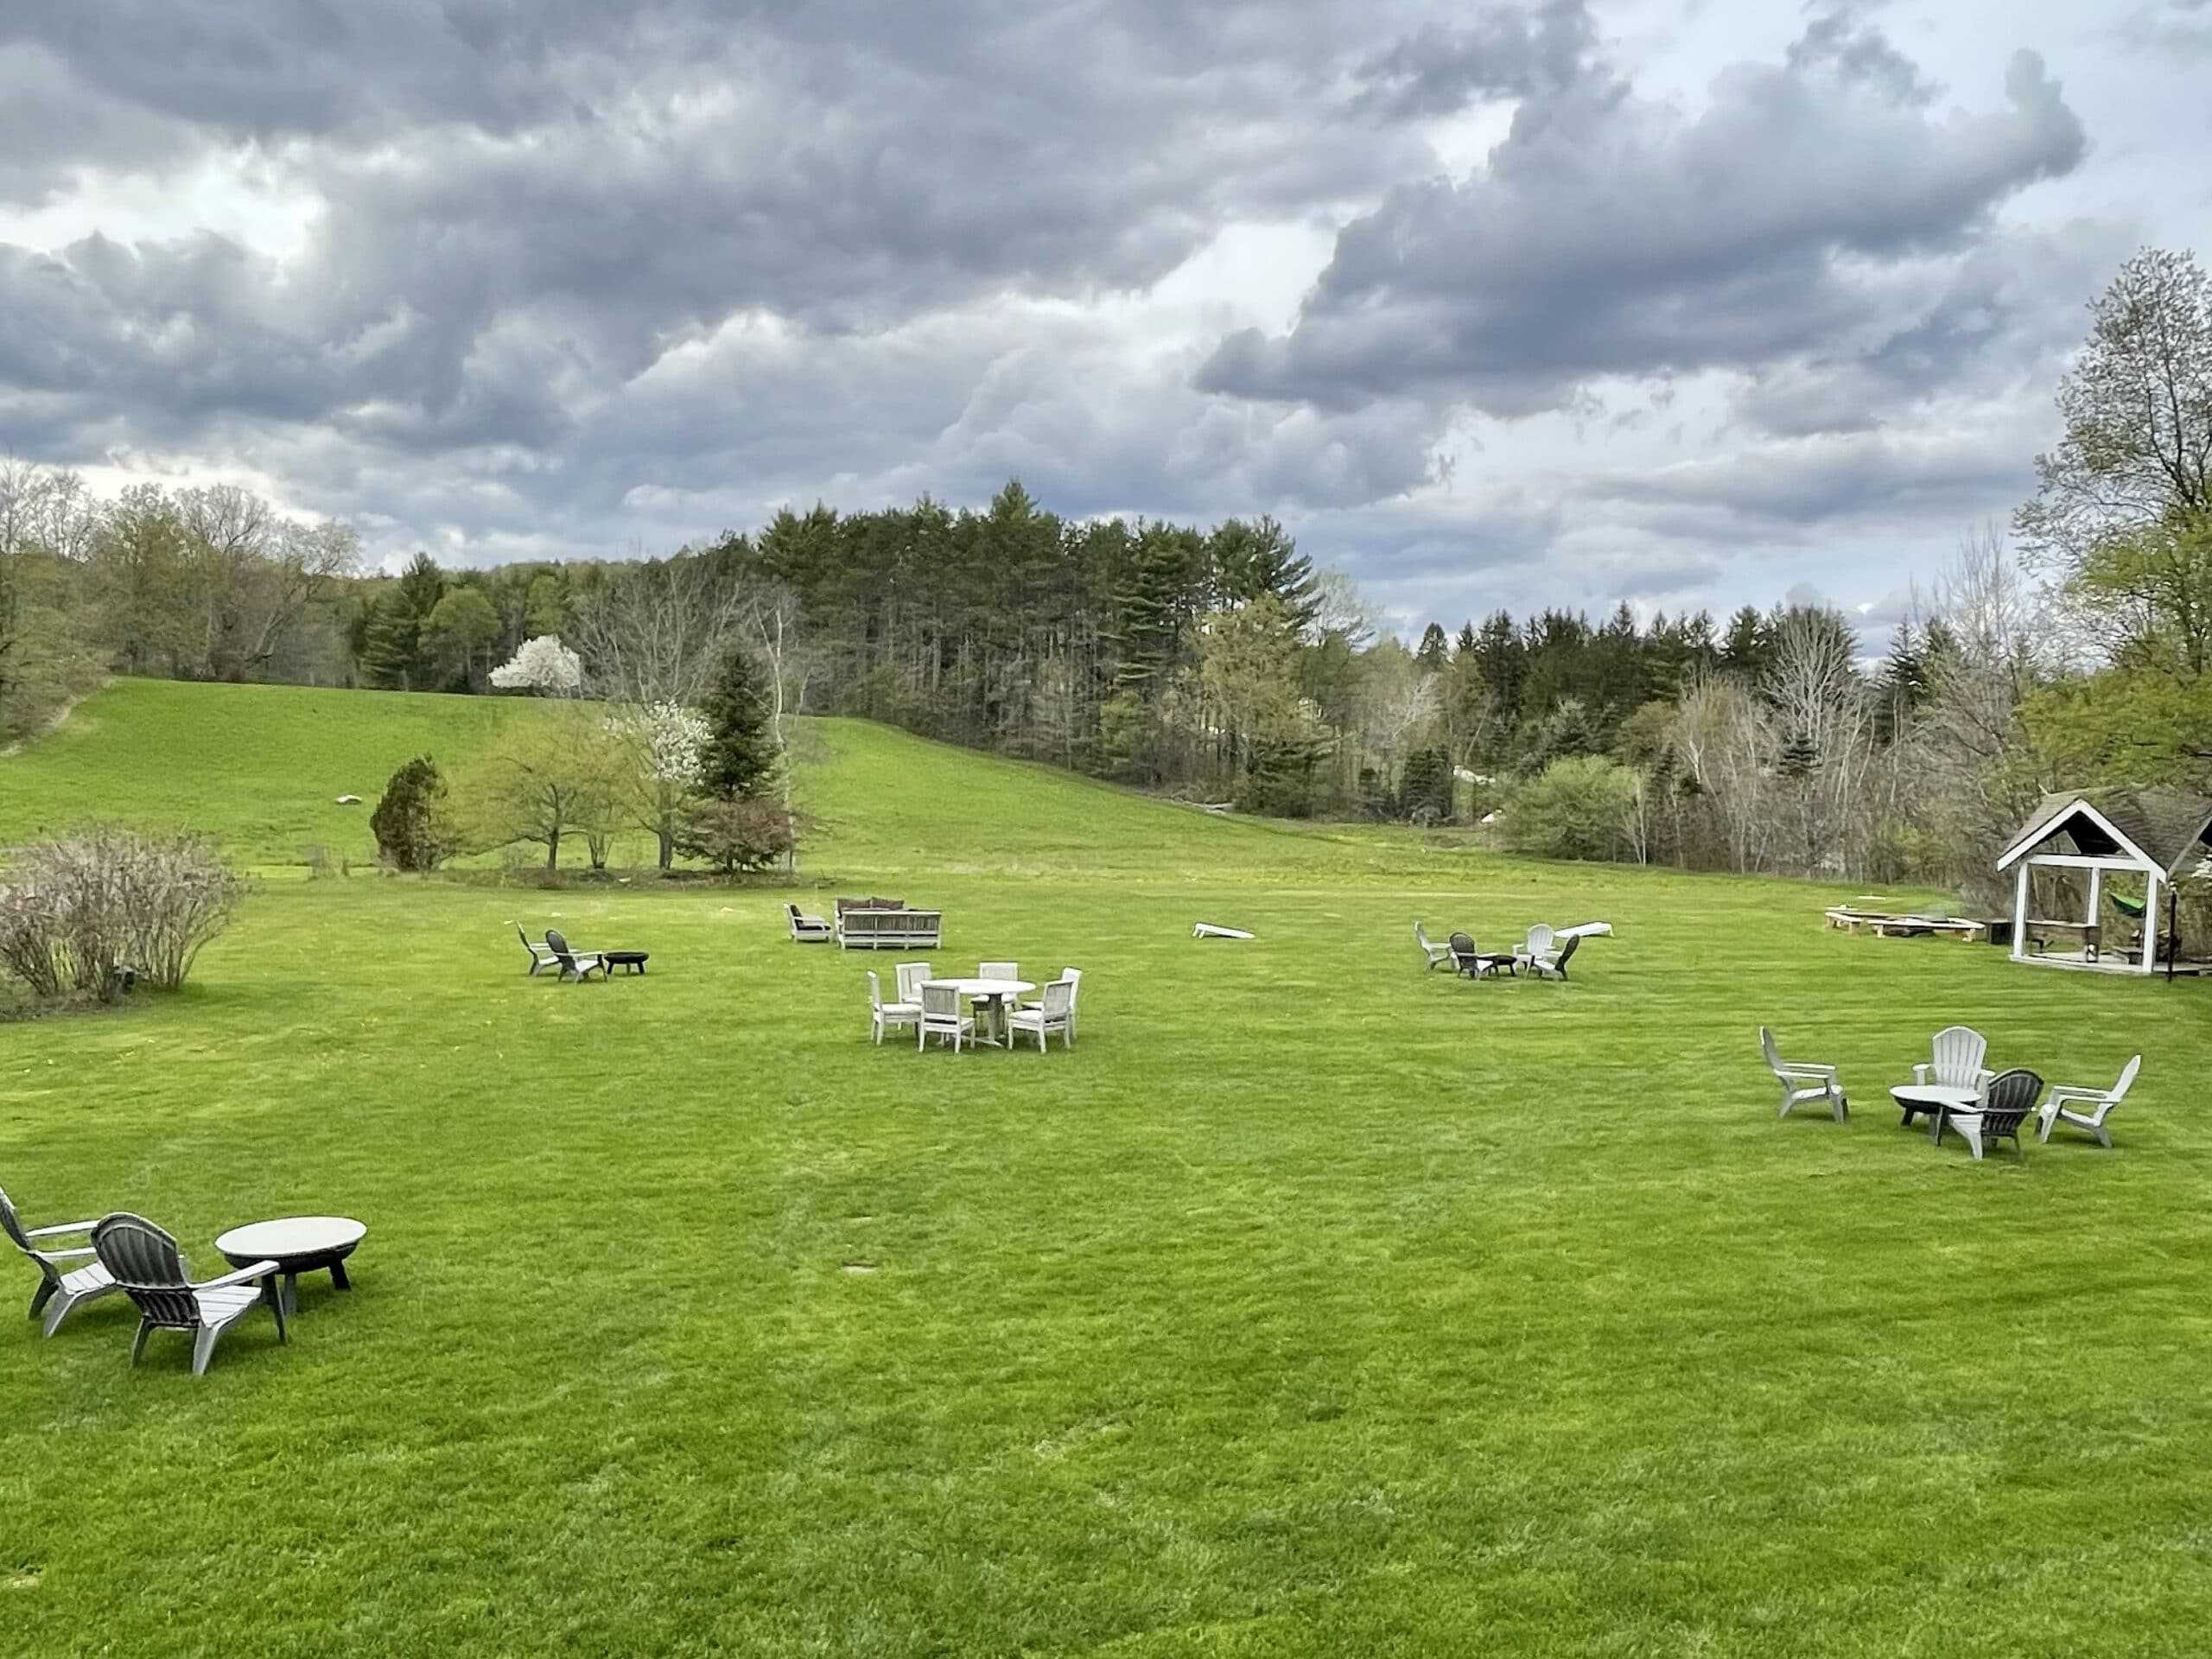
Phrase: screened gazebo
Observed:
(2113, 842)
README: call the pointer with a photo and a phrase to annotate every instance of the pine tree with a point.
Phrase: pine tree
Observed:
(1435, 650)
(740, 754)
(395, 651)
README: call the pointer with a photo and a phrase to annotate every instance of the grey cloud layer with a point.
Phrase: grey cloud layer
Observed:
(586, 271)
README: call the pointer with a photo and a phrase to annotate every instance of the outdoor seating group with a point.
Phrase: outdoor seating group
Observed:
(578, 965)
(127, 1254)
(1957, 1092)
(1543, 952)
(933, 1006)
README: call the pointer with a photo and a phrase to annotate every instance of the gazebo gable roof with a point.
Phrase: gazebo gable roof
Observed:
(2151, 829)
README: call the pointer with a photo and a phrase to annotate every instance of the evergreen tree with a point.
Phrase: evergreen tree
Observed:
(1748, 645)
(396, 650)
(740, 754)
(1435, 650)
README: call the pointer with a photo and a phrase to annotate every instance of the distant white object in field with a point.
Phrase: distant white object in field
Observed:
(1208, 930)
(1488, 817)
(349, 800)
(1587, 930)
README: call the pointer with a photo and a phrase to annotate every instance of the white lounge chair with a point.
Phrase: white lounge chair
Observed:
(808, 930)
(541, 956)
(2067, 1100)
(1055, 1012)
(941, 1018)
(1803, 1080)
(1435, 953)
(1955, 1062)
(882, 1013)
(60, 1288)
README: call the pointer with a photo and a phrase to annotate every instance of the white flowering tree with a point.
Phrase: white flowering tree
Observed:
(544, 665)
(667, 746)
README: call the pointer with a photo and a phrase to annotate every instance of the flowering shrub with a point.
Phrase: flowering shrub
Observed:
(544, 665)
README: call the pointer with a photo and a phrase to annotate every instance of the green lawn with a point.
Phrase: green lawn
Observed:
(1312, 1304)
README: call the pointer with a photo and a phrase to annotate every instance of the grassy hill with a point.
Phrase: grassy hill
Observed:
(260, 767)
(1311, 1304)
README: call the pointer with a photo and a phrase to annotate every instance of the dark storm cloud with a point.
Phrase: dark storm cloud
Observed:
(1612, 236)
(1500, 51)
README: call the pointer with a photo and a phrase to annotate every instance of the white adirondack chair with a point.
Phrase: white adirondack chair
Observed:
(1539, 944)
(2067, 1102)
(1802, 1080)
(1435, 953)
(1055, 1012)
(941, 1018)
(60, 1288)
(1957, 1060)
(882, 1013)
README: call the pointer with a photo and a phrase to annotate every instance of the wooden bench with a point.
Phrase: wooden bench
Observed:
(888, 930)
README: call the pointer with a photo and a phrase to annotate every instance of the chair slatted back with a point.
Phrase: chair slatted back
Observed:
(940, 1003)
(558, 944)
(1059, 997)
(146, 1262)
(1773, 1055)
(909, 977)
(2119, 1090)
(13, 1226)
(998, 970)
(2011, 1096)
(1421, 935)
(1567, 955)
(874, 991)
(1074, 977)
(1540, 941)
(1958, 1052)
(526, 945)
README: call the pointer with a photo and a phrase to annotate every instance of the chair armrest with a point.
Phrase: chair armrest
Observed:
(68, 1255)
(1807, 1069)
(2058, 1091)
(245, 1274)
(1920, 1077)
(58, 1231)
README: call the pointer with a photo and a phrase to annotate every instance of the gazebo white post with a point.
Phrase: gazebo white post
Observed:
(2096, 886)
(2020, 914)
(2150, 925)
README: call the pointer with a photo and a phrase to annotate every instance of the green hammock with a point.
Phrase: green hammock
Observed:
(2131, 908)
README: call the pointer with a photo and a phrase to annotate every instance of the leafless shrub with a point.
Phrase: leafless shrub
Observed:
(84, 914)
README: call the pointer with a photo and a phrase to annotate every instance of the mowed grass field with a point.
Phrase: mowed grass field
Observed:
(1312, 1304)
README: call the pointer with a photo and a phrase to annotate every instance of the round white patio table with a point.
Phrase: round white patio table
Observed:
(297, 1244)
(990, 996)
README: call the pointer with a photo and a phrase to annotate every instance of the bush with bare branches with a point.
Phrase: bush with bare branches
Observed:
(83, 914)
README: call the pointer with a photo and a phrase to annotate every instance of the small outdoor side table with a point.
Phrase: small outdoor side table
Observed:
(297, 1244)
(632, 962)
(1938, 1100)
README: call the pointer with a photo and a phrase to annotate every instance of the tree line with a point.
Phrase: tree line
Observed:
(1217, 663)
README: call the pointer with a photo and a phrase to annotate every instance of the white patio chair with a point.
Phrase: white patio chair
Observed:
(1955, 1062)
(1053, 1014)
(60, 1288)
(1435, 953)
(149, 1267)
(1540, 943)
(942, 1018)
(1803, 1080)
(1074, 978)
(540, 955)
(2068, 1099)
(998, 970)
(909, 977)
(882, 1013)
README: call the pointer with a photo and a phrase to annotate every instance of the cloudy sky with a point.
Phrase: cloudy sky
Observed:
(1508, 303)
